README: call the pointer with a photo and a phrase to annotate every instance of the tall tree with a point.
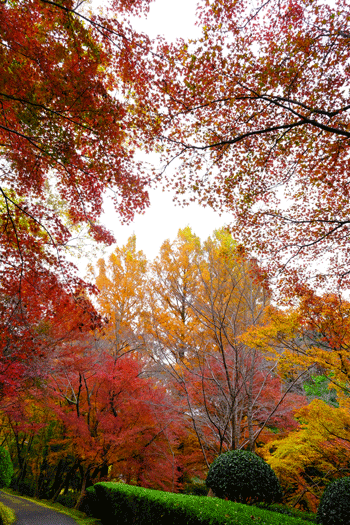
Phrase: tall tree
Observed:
(203, 300)
(173, 282)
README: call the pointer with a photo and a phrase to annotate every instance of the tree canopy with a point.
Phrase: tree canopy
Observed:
(257, 111)
(65, 127)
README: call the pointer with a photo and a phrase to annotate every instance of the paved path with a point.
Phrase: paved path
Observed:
(28, 513)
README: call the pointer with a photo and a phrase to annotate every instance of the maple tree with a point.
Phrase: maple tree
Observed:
(45, 325)
(95, 417)
(66, 135)
(257, 112)
(64, 125)
(34, 323)
(113, 417)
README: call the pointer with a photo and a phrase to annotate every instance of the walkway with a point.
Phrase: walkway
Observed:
(28, 513)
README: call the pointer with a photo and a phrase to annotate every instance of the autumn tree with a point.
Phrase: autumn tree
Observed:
(67, 134)
(64, 126)
(121, 281)
(172, 283)
(308, 458)
(49, 326)
(44, 317)
(313, 336)
(114, 420)
(257, 111)
(203, 299)
(237, 389)
(95, 417)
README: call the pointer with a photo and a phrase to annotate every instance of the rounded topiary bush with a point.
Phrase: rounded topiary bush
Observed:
(334, 508)
(6, 468)
(244, 477)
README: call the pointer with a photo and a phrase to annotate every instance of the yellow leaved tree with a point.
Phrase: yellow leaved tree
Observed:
(308, 458)
(314, 336)
(121, 281)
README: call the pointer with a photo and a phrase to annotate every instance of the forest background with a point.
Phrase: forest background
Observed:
(149, 369)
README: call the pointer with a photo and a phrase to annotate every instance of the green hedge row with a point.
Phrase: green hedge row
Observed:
(122, 504)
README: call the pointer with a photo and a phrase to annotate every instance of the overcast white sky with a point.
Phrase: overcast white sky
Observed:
(163, 219)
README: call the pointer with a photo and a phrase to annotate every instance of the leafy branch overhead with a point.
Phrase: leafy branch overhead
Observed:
(257, 110)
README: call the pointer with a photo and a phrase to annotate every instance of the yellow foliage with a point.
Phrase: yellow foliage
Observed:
(317, 452)
(121, 282)
(315, 335)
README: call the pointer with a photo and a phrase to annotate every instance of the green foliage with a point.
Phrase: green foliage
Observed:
(25, 487)
(334, 508)
(125, 504)
(242, 476)
(7, 516)
(68, 500)
(318, 387)
(6, 468)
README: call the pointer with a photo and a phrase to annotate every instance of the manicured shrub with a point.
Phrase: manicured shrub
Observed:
(124, 505)
(334, 508)
(242, 476)
(6, 468)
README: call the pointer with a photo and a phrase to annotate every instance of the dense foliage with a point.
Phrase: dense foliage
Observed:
(63, 138)
(242, 476)
(6, 468)
(257, 111)
(334, 508)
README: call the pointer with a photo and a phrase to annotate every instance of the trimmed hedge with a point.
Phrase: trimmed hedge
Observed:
(334, 508)
(125, 504)
(289, 511)
(244, 477)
